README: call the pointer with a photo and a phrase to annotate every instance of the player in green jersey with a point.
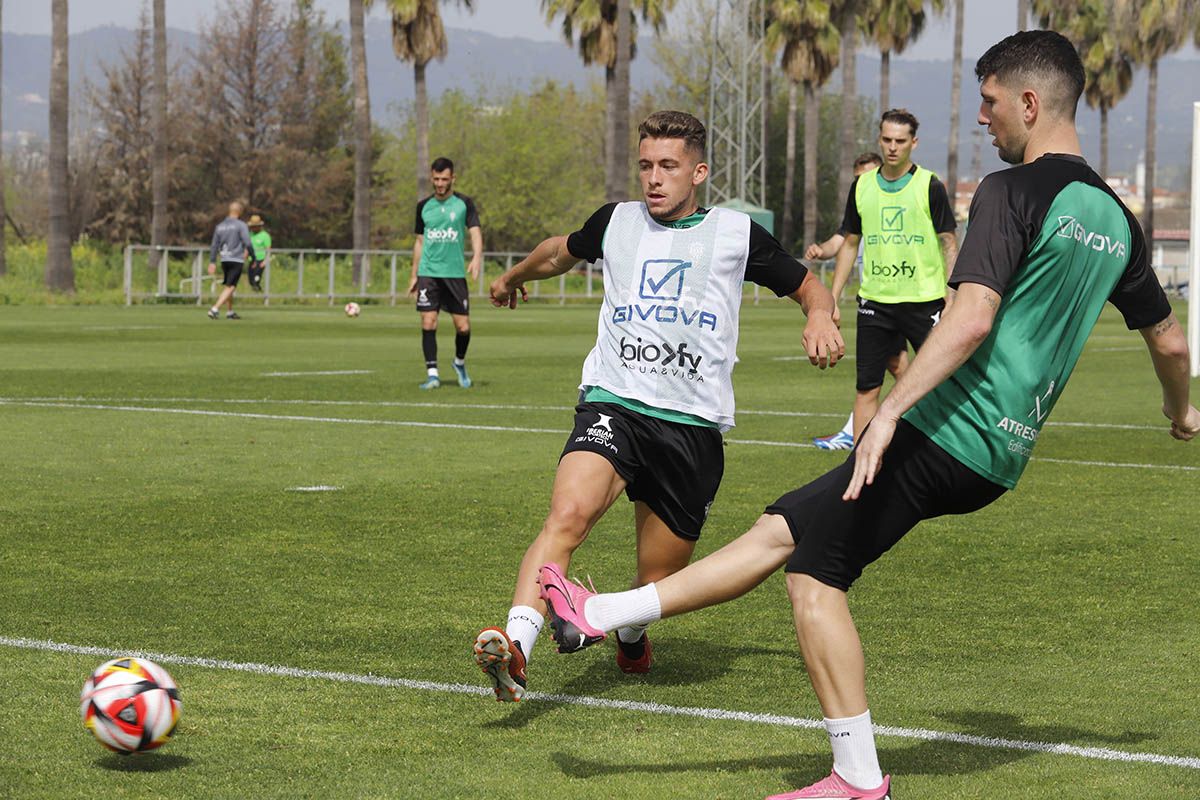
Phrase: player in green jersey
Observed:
(1049, 244)
(439, 279)
(261, 250)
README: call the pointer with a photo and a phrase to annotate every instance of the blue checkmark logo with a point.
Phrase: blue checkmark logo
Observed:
(662, 278)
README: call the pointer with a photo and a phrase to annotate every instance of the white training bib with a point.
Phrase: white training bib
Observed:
(668, 328)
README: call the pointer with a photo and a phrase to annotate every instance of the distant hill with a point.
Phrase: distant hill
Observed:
(481, 60)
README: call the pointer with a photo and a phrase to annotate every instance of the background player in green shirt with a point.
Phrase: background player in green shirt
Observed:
(261, 241)
(444, 220)
(1049, 244)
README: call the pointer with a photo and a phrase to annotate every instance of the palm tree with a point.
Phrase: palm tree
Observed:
(955, 99)
(594, 24)
(811, 45)
(60, 273)
(362, 130)
(418, 36)
(1108, 68)
(1151, 31)
(847, 15)
(893, 25)
(3, 211)
(158, 158)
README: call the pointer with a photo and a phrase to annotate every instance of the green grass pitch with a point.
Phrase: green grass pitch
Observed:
(150, 463)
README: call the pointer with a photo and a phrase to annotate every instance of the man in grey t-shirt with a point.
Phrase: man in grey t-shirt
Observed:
(231, 242)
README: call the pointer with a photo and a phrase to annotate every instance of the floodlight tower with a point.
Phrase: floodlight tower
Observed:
(737, 104)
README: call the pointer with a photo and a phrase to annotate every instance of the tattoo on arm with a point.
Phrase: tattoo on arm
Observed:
(992, 301)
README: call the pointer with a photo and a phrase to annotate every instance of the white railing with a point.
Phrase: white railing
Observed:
(180, 273)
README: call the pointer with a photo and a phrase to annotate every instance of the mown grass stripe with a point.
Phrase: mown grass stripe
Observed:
(714, 714)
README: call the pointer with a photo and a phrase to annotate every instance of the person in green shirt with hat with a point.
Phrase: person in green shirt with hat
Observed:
(261, 241)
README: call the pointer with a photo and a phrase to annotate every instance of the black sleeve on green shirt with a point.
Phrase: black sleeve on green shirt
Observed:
(420, 227)
(1138, 295)
(940, 208)
(851, 221)
(587, 243)
(997, 237)
(472, 212)
(769, 265)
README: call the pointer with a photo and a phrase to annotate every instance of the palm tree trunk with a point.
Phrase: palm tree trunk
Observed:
(3, 211)
(60, 273)
(955, 100)
(1151, 121)
(1104, 141)
(422, 99)
(812, 122)
(849, 97)
(616, 183)
(361, 225)
(789, 173)
(885, 79)
(158, 168)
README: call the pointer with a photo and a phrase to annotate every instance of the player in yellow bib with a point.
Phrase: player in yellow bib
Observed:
(905, 221)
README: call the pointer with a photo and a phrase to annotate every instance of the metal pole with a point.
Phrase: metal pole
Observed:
(300, 276)
(128, 275)
(198, 278)
(331, 268)
(267, 280)
(1194, 248)
(393, 280)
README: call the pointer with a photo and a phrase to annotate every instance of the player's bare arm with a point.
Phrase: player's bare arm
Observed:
(549, 259)
(826, 249)
(949, 244)
(822, 340)
(476, 234)
(417, 245)
(1167, 343)
(963, 328)
(841, 271)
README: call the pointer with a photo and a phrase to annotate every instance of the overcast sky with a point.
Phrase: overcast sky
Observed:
(986, 20)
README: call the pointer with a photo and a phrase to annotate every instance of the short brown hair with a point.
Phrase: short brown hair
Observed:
(900, 116)
(862, 159)
(675, 125)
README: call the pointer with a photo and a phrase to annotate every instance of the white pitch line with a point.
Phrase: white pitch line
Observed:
(497, 428)
(320, 372)
(714, 714)
(479, 406)
(321, 488)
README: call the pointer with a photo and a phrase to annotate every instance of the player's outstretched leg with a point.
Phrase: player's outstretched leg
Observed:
(564, 605)
(834, 788)
(501, 659)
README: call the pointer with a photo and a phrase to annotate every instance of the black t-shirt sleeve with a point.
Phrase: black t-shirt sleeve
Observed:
(769, 265)
(940, 209)
(851, 221)
(472, 211)
(419, 229)
(1138, 294)
(996, 238)
(587, 243)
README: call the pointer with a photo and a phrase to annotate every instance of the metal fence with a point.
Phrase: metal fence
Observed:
(321, 276)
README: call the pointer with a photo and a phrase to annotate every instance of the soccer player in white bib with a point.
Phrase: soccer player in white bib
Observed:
(657, 388)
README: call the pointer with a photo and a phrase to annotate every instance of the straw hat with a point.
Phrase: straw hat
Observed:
(255, 221)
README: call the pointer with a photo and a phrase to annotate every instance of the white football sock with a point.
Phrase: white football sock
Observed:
(635, 607)
(432, 372)
(524, 625)
(460, 362)
(631, 633)
(854, 756)
(848, 429)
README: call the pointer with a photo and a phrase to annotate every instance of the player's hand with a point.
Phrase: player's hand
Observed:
(1185, 431)
(812, 252)
(412, 286)
(504, 295)
(837, 313)
(212, 268)
(473, 268)
(868, 455)
(823, 341)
